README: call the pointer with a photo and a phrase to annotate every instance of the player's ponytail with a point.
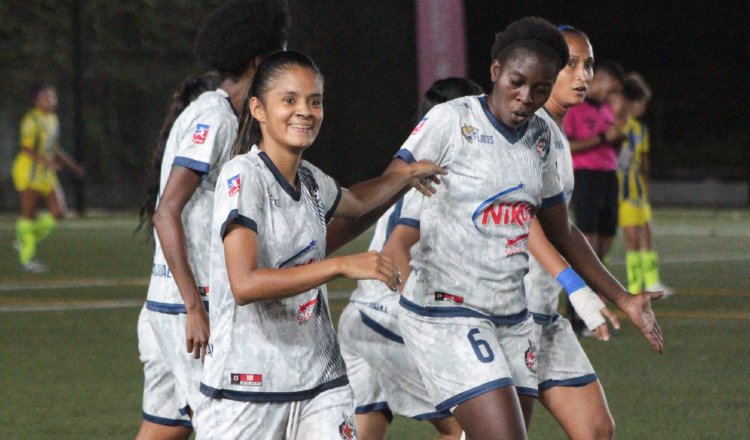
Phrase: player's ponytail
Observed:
(186, 92)
(269, 69)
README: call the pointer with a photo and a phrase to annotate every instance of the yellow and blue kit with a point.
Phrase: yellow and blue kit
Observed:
(39, 133)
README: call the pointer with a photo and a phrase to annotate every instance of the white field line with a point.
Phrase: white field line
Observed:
(88, 224)
(73, 284)
(143, 281)
(78, 305)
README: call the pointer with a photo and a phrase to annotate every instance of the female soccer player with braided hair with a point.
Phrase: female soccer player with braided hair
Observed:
(275, 369)
(465, 316)
(231, 41)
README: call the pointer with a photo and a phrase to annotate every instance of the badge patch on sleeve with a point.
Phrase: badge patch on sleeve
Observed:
(253, 380)
(234, 185)
(419, 126)
(201, 133)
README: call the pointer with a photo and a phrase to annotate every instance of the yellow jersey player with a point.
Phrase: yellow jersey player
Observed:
(35, 177)
(635, 211)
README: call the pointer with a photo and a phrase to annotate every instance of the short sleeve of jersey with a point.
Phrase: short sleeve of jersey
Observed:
(29, 131)
(411, 206)
(239, 197)
(430, 139)
(329, 190)
(203, 141)
(552, 189)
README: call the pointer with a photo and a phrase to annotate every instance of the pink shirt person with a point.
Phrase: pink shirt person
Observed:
(585, 121)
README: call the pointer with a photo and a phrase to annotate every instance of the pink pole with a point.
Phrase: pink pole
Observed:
(441, 41)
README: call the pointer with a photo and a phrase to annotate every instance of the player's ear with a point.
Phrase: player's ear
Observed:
(257, 110)
(495, 70)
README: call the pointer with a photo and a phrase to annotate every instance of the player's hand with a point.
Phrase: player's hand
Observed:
(602, 332)
(614, 135)
(197, 332)
(424, 174)
(638, 309)
(371, 266)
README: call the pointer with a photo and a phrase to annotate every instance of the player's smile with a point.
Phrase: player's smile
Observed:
(293, 109)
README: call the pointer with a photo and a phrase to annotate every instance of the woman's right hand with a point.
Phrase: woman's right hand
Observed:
(424, 174)
(371, 266)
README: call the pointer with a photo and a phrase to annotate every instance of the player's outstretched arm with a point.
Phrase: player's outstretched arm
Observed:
(574, 248)
(590, 308)
(69, 162)
(251, 283)
(363, 203)
(180, 187)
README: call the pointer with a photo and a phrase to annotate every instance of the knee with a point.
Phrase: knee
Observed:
(604, 429)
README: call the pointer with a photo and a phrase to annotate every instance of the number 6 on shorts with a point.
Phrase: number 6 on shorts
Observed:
(478, 344)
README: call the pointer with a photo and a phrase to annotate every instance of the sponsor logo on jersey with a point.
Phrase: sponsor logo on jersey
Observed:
(559, 145)
(234, 185)
(516, 245)
(250, 380)
(347, 429)
(495, 211)
(161, 271)
(203, 290)
(375, 306)
(274, 201)
(306, 310)
(542, 146)
(472, 134)
(293, 261)
(443, 296)
(530, 357)
(201, 133)
(419, 126)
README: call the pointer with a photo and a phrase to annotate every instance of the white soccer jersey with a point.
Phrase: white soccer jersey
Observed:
(542, 290)
(472, 257)
(200, 140)
(372, 296)
(274, 350)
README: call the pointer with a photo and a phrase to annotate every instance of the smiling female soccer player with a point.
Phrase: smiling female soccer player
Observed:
(465, 317)
(275, 369)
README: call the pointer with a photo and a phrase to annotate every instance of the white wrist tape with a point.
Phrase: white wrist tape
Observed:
(589, 307)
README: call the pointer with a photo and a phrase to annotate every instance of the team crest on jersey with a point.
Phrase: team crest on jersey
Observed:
(250, 380)
(234, 185)
(305, 311)
(471, 134)
(201, 133)
(443, 296)
(419, 126)
(347, 429)
(496, 212)
(542, 146)
(530, 357)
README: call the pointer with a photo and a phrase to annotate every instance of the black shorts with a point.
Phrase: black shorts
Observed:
(594, 202)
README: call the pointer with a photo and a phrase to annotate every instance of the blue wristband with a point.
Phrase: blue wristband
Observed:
(570, 280)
